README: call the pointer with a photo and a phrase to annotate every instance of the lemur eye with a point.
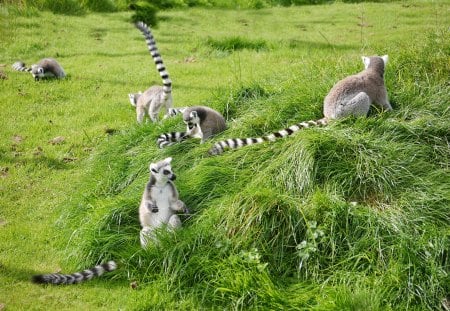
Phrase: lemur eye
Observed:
(166, 172)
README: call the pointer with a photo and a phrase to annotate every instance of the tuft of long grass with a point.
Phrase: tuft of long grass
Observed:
(236, 43)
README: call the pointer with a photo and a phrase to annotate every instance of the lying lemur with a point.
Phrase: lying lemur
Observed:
(46, 68)
(201, 122)
(350, 96)
(158, 208)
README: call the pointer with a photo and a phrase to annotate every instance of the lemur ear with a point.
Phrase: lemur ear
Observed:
(193, 114)
(153, 168)
(366, 61)
(168, 160)
(385, 59)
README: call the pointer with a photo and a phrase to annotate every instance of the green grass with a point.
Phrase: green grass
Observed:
(349, 217)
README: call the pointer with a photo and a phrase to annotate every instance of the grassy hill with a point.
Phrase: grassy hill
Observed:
(348, 217)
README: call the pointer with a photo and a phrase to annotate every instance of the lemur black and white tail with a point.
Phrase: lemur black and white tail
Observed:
(176, 111)
(235, 143)
(20, 66)
(167, 139)
(151, 44)
(74, 278)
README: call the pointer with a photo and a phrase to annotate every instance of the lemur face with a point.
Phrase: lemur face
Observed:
(192, 121)
(162, 170)
(37, 72)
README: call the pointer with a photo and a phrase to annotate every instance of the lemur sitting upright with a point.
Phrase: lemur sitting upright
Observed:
(160, 201)
(158, 207)
(350, 96)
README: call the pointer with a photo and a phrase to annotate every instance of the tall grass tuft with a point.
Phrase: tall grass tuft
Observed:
(145, 12)
(236, 43)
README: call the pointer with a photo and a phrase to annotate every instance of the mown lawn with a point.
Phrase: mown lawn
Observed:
(349, 217)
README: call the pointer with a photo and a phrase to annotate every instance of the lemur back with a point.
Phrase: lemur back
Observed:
(351, 96)
(74, 278)
(46, 68)
(159, 202)
(151, 101)
(201, 122)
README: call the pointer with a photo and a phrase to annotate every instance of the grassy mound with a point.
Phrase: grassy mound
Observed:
(356, 210)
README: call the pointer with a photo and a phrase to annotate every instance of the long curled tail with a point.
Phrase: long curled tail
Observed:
(167, 139)
(74, 278)
(151, 44)
(235, 143)
(20, 66)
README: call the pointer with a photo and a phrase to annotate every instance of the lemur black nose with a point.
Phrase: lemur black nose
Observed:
(173, 177)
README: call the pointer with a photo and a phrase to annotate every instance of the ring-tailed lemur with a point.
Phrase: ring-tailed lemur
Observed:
(351, 96)
(159, 202)
(46, 68)
(171, 112)
(74, 278)
(201, 122)
(151, 101)
(158, 207)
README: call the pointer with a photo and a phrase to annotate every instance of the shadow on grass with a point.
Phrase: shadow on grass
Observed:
(19, 274)
(42, 160)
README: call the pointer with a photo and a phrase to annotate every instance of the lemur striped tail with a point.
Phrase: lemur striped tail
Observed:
(167, 139)
(151, 44)
(20, 66)
(74, 278)
(176, 111)
(235, 143)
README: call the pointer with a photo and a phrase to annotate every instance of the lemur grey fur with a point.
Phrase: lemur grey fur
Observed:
(74, 278)
(201, 122)
(151, 101)
(46, 68)
(351, 96)
(159, 202)
(171, 112)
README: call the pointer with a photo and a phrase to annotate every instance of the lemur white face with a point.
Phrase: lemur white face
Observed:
(192, 121)
(162, 170)
(37, 72)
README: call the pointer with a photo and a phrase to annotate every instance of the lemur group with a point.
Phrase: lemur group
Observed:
(351, 96)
